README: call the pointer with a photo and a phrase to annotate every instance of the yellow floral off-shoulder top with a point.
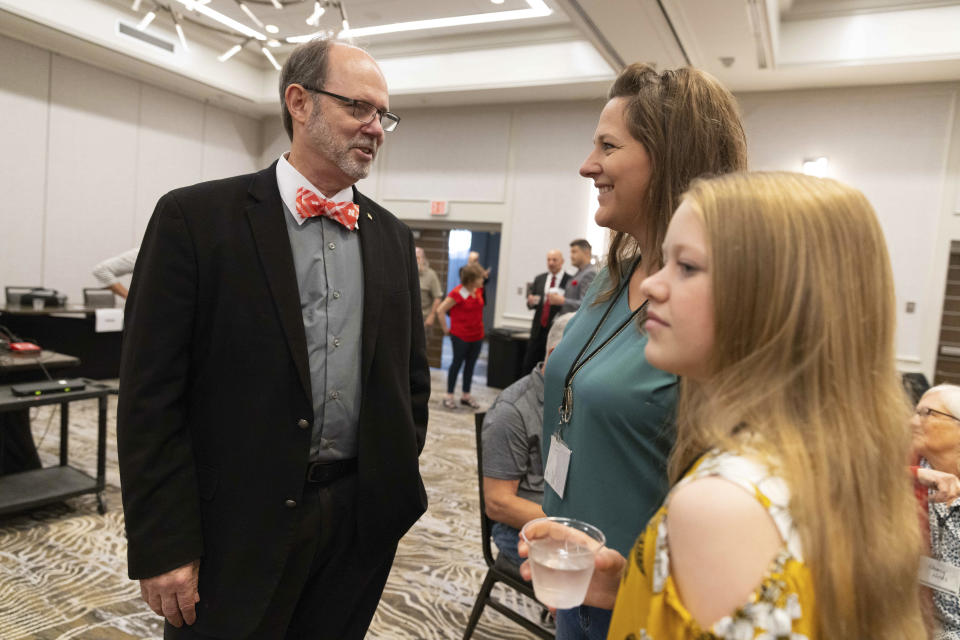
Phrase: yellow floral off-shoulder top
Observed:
(782, 607)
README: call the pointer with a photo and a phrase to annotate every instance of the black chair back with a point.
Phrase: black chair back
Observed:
(500, 569)
(99, 298)
(13, 294)
(485, 524)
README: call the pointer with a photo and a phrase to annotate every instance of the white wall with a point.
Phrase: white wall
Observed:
(86, 154)
(511, 165)
(894, 144)
(516, 165)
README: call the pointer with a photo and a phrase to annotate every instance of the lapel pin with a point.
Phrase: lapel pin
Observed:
(370, 216)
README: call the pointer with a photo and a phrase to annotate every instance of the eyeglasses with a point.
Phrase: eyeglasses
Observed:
(363, 111)
(923, 412)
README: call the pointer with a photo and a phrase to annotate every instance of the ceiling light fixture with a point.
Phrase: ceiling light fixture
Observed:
(343, 19)
(136, 5)
(229, 53)
(276, 5)
(314, 19)
(497, 1)
(179, 29)
(250, 14)
(224, 20)
(272, 28)
(270, 57)
(147, 19)
(273, 43)
(537, 9)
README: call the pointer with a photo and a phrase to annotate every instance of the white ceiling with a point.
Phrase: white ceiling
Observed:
(572, 53)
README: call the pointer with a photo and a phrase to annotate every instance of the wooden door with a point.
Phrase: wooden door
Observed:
(434, 243)
(948, 353)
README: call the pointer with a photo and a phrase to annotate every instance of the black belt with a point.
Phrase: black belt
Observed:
(324, 473)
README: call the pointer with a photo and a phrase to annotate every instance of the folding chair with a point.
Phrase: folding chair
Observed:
(499, 570)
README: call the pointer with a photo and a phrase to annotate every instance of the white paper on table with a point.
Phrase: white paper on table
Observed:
(108, 320)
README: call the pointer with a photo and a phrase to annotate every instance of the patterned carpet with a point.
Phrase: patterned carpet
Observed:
(63, 569)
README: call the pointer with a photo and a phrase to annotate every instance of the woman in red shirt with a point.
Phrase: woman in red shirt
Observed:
(465, 306)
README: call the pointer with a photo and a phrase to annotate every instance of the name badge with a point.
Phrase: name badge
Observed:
(940, 576)
(558, 462)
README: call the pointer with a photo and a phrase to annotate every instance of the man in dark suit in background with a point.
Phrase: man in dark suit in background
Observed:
(274, 380)
(554, 281)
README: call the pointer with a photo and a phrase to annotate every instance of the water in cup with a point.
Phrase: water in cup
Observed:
(561, 554)
(561, 572)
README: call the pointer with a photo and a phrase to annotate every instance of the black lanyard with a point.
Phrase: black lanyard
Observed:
(566, 400)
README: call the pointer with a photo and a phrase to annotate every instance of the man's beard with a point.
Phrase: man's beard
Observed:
(337, 149)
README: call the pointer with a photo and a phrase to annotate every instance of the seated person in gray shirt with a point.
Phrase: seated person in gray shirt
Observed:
(512, 467)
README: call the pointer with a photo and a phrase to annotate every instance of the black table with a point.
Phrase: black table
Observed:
(31, 489)
(69, 329)
(18, 367)
(505, 359)
(17, 451)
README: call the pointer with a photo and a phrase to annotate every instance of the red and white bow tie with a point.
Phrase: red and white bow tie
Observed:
(310, 205)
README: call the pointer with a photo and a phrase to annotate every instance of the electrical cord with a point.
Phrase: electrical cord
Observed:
(46, 430)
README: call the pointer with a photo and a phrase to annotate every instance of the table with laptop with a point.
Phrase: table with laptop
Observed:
(32, 377)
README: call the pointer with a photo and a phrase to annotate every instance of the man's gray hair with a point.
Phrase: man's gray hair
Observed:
(556, 330)
(949, 395)
(306, 65)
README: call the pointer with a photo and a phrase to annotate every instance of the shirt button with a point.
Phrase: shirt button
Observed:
(290, 504)
(328, 444)
(336, 342)
(334, 395)
(303, 423)
(336, 295)
(332, 246)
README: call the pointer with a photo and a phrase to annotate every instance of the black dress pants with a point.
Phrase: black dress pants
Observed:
(329, 590)
(536, 349)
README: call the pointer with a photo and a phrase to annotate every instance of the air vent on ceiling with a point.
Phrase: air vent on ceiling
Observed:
(132, 32)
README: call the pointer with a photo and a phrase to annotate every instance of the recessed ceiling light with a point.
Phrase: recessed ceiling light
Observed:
(229, 53)
(273, 43)
(314, 19)
(250, 14)
(147, 19)
(222, 19)
(497, 1)
(272, 28)
(537, 9)
(269, 56)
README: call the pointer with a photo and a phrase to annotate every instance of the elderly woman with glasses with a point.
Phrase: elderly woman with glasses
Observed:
(936, 442)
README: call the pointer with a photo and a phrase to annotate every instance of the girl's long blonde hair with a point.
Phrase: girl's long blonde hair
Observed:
(804, 358)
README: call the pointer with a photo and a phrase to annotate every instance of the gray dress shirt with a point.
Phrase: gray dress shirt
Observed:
(329, 269)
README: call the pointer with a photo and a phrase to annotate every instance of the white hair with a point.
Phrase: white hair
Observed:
(556, 329)
(949, 395)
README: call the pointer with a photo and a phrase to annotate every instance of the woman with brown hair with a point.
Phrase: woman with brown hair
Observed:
(776, 307)
(607, 412)
(464, 303)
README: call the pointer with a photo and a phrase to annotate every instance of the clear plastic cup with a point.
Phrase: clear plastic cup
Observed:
(561, 553)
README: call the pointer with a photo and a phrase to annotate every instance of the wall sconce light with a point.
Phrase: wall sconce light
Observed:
(818, 167)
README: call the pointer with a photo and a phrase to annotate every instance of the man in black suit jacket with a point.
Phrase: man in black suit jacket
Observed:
(538, 299)
(274, 380)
